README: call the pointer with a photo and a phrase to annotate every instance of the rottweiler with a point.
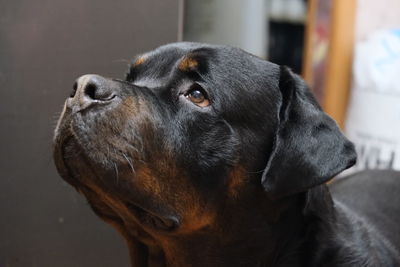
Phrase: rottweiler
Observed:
(207, 155)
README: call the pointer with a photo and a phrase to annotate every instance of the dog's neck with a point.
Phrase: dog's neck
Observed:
(263, 233)
(333, 232)
(311, 224)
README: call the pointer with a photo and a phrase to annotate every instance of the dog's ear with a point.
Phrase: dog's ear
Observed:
(309, 148)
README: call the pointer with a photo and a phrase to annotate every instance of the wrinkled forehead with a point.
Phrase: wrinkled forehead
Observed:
(159, 65)
(212, 60)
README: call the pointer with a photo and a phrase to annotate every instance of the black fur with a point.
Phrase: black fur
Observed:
(238, 182)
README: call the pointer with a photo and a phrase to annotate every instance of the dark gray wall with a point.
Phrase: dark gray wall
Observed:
(44, 46)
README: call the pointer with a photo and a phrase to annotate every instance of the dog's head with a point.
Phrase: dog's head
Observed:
(198, 143)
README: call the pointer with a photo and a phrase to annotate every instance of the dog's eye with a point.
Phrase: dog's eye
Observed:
(197, 96)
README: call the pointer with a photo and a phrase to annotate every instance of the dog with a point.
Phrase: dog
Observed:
(207, 155)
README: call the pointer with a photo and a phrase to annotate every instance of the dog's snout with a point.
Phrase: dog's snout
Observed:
(91, 89)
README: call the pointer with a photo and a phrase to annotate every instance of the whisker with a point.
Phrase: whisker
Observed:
(116, 172)
(255, 172)
(129, 162)
(108, 151)
(122, 60)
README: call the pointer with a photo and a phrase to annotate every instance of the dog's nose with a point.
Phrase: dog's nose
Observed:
(91, 89)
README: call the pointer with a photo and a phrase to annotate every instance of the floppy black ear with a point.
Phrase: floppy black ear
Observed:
(309, 148)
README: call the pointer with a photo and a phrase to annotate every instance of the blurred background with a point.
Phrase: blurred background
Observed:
(348, 51)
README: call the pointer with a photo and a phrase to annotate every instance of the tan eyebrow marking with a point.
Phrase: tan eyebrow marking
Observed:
(140, 60)
(188, 63)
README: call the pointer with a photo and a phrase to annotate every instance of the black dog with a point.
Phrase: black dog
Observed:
(209, 156)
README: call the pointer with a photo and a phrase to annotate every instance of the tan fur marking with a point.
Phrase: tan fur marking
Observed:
(139, 61)
(236, 181)
(148, 182)
(187, 64)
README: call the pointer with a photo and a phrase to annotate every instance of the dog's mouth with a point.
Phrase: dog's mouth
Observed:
(83, 172)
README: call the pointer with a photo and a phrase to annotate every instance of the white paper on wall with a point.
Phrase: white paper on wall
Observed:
(373, 121)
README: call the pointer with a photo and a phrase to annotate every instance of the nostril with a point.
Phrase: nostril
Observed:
(74, 88)
(98, 91)
(90, 91)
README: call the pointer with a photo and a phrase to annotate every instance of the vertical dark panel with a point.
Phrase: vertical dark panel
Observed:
(44, 46)
(286, 41)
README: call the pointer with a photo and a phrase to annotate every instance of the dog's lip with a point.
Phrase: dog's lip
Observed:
(58, 156)
(154, 217)
(63, 137)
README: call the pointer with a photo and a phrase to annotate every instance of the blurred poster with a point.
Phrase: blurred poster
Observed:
(373, 122)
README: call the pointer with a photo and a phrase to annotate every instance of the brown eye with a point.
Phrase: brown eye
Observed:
(198, 97)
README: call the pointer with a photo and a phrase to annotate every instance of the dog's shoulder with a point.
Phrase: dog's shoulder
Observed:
(373, 195)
